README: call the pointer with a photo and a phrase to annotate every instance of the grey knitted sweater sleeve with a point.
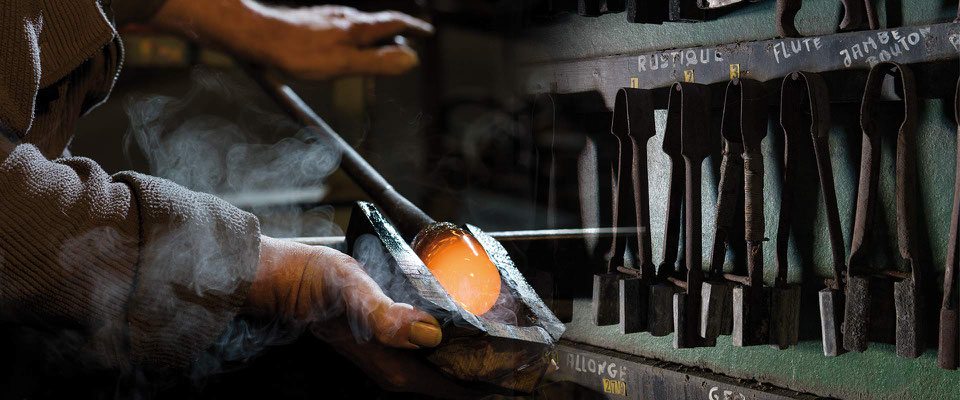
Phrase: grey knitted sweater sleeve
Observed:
(148, 272)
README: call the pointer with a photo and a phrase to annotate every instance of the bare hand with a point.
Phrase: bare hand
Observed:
(317, 42)
(313, 284)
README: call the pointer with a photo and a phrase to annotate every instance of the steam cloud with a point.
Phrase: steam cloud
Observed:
(227, 156)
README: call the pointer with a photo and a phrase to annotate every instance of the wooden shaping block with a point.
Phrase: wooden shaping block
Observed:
(606, 296)
(634, 298)
(474, 348)
(831, 319)
(947, 355)
(751, 316)
(660, 313)
(856, 317)
(909, 331)
(686, 323)
(785, 316)
(681, 323)
(716, 312)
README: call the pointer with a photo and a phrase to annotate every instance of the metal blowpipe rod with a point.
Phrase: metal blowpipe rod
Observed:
(407, 217)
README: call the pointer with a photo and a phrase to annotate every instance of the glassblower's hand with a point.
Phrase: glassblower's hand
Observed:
(317, 285)
(316, 42)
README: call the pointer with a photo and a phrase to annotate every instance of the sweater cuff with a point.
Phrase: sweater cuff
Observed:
(198, 256)
(132, 11)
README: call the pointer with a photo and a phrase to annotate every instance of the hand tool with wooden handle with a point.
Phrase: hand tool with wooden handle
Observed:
(692, 102)
(599, 185)
(633, 125)
(611, 294)
(863, 318)
(809, 91)
(660, 315)
(716, 316)
(751, 301)
(947, 349)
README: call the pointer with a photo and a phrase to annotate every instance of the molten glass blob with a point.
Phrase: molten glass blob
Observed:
(461, 266)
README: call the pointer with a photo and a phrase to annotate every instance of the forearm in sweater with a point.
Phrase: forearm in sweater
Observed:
(146, 270)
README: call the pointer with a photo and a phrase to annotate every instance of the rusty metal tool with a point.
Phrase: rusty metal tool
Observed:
(809, 92)
(633, 125)
(863, 317)
(799, 124)
(786, 14)
(716, 315)
(599, 201)
(692, 102)
(747, 118)
(856, 12)
(947, 349)
(609, 296)
(660, 312)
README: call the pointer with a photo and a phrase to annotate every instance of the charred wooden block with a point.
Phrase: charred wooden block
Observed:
(716, 311)
(947, 350)
(681, 325)
(634, 295)
(686, 323)
(856, 317)
(660, 312)
(785, 316)
(606, 297)
(909, 311)
(751, 316)
(831, 321)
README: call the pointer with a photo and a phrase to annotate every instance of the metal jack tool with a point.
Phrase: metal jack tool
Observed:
(864, 317)
(747, 119)
(800, 89)
(691, 102)
(805, 88)
(716, 314)
(633, 124)
(610, 299)
(606, 286)
(660, 313)
(947, 353)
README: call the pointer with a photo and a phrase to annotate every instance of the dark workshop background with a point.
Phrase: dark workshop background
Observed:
(454, 137)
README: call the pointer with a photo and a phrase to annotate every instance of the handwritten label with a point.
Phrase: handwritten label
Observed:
(602, 368)
(785, 49)
(720, 394)
(688, 75)
(615, 387)
(672, 59)
(734, 71)
(884, 46)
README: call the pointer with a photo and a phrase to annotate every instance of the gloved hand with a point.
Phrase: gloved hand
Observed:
(316, 285)
(317, 42)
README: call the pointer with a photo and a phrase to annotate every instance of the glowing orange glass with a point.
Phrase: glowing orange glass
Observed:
(460, 264)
